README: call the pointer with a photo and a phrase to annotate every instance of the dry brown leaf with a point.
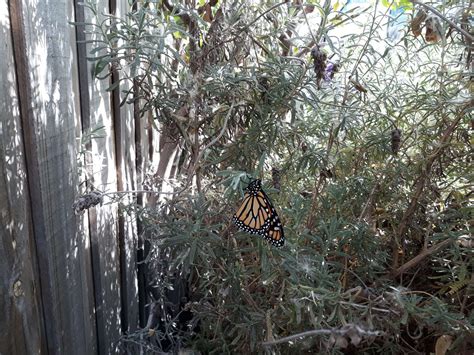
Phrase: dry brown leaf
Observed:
(442, 344)
(358, 86)
(207, 13)
(341, 342)
(417, 21)
(432, 33)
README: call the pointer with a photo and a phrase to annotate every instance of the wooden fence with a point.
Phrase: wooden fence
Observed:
(68, 284)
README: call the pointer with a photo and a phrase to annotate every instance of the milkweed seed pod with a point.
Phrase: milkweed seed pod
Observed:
(396, 139)
(276, 178)
(319, 58)
(417, 21)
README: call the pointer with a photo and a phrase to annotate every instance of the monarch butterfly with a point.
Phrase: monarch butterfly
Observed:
(257, 215)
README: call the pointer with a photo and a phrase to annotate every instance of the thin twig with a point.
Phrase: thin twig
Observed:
(368, 203)
(268, 319)
(137, 192)
(334, 131)
(246, 27)
(421, 182)
(356, 305)
(219, 136)
(346, 330)
(417, 259)
(261, 15)
(324, 18)
(467, 293)
(210, 144)
(439, 14)
(314, 201)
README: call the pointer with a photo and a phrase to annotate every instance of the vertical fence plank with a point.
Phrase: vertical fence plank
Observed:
(80, 79)
(101, 168)
(140, 146)
(71, 275)
(128, 174)
(44, 47)
(20, 303)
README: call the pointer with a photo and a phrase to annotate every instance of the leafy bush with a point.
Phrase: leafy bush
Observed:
(370, 176)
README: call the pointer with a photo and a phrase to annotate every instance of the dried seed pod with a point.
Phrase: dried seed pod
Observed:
(358, 86)
(309, 9)
(276, 178)
(319, 58)
(420, 17)
(396, 139)
(207, 13)
(434, 29)
(87, 201)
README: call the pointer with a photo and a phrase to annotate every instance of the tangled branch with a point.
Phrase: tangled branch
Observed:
(351, 330)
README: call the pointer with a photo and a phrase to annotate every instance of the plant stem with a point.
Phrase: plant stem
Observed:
(440, 15)
(333, 331)
(417, 259)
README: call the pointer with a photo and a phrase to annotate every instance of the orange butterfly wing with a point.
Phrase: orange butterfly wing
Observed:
(256, 215)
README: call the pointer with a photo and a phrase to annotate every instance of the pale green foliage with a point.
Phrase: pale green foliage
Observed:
(345, 195)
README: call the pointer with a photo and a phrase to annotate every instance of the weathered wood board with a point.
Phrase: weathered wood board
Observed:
(68, 284)
(21, 327)
(103, 220)
(44, 47)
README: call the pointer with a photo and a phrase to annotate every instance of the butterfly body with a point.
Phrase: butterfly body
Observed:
(257, 215)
